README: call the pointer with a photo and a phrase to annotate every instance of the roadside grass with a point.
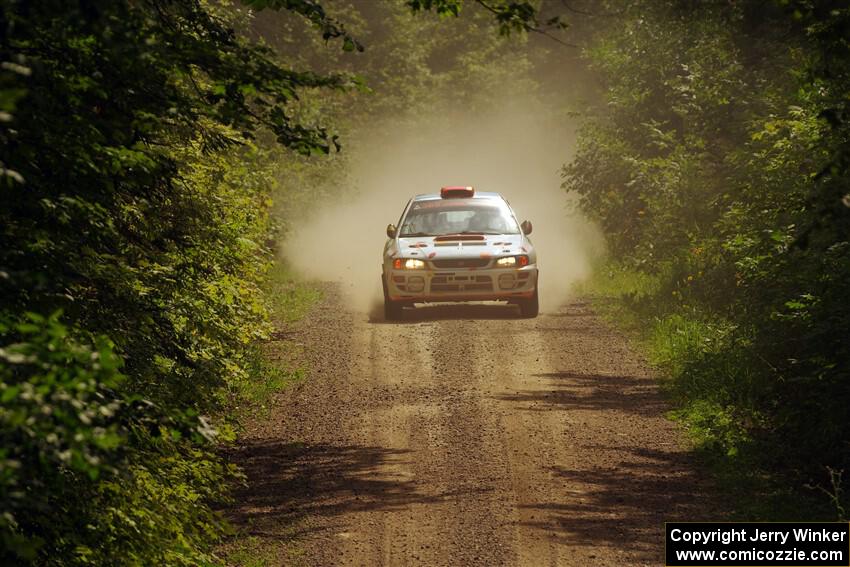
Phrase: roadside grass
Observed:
(275, 366)
(706, 378)
(291, 297)
(252, 551)
(255, 551)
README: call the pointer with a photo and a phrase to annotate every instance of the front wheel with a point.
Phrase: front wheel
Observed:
(529, 308)
(392, 309)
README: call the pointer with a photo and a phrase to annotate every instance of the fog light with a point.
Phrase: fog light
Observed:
(415, 284)
(507, 281)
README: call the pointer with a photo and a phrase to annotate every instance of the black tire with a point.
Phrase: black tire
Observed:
(529, 308)
(392, 309)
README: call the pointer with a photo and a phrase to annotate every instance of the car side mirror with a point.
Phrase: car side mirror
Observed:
(526, 227)
(391, 231)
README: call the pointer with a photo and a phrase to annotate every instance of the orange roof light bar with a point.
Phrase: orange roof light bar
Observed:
(457, 192)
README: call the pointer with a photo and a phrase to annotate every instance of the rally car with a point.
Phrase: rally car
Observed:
(459, 245)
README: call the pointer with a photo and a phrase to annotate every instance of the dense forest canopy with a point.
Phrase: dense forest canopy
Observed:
(149, 147)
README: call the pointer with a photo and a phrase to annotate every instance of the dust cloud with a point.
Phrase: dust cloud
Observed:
(515, 151)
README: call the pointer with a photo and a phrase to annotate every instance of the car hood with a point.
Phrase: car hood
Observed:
(462, 246)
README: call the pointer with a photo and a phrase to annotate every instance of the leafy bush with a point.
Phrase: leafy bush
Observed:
(121, 482)
(61, 421)
(720, 166)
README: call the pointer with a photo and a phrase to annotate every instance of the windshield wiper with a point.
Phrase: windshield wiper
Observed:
(415, 234)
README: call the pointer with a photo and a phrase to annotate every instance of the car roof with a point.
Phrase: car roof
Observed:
(477, 195)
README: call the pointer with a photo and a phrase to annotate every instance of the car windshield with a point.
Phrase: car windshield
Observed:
(458, 216)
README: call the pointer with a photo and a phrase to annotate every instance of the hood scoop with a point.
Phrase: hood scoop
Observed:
(458, 237)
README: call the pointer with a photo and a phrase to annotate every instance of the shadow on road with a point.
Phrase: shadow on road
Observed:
(446, 311)
(623, 501)
(625, 507)
(288, 482)
(574, 391)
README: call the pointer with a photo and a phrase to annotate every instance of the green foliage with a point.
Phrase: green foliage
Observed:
(511, 16)
(60, 420)
(134, 200)
(315, 14)
(718, 167)
(122, 482)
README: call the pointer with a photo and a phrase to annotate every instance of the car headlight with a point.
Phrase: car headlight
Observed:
(408, 264)
(511, 261)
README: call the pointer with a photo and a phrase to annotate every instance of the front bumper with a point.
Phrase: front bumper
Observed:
(437, 285)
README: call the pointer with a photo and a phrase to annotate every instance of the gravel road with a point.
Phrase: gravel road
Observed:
(467, 436)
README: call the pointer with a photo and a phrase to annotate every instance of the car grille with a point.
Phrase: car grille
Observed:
(461, 263)
(443, 284)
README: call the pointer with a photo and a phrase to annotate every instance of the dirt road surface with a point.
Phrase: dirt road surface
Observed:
(468, 436)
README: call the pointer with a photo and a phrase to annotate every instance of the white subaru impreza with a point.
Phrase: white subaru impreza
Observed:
(460, 245)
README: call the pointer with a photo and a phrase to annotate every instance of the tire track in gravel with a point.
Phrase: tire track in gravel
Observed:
(466, 436)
